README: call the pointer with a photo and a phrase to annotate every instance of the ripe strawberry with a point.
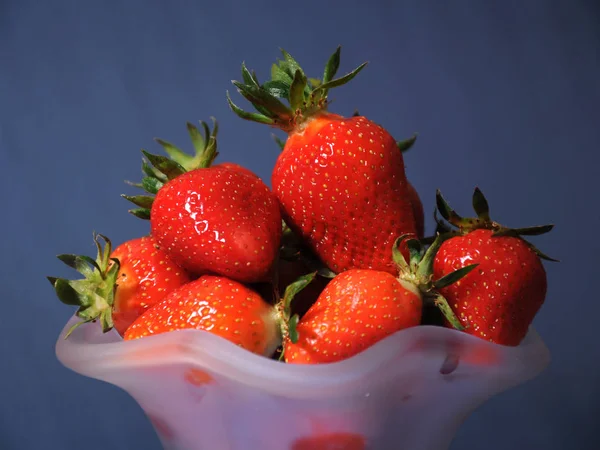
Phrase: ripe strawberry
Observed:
(218, 305)
(499, 300)
(146, 276)
(217, 220)
(413, 195)
(210, 219)
(340, 181)
(359, 307)
(119, 285)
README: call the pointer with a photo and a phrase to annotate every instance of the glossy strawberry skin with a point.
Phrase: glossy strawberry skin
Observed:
(146, 276)
(500, 298)
(342, 185)
(220, 221)
(216, 304)
(358, 308)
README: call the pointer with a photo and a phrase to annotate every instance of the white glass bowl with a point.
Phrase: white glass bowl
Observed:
(410, 391)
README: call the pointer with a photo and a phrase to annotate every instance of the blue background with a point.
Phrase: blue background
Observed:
(505, 95)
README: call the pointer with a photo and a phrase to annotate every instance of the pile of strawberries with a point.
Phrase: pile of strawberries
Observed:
(319, 267)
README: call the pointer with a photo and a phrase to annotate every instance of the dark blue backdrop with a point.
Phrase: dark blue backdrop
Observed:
(505, 95)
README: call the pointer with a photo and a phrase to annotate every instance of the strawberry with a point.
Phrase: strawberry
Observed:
(210, 219)
(220, 221)
(215, 304)
(413, 195)
(146, 276)
(359, 307)
(499, 300)
(340, 181)
(119, 285)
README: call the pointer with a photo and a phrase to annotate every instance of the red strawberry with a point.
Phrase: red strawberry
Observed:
(413, 195)
(210, 219)
(118, 286)
(146, 276)
(218, 305)
(359, 307)
(217, 220)
(499, 300)
(340, 181)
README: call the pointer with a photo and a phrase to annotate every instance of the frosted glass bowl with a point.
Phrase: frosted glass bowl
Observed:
(410, 391)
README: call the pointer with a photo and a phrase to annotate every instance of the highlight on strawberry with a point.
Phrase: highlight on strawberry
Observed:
(118, 286)
(218, 305)
(499, 300)
(218, 219)
(360, 307)
(340, 180)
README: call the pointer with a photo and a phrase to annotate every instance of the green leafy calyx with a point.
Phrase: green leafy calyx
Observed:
(158, 169)
(418, 271)
(304, 96)
(289, 321)
(94, 294)
(454, 224)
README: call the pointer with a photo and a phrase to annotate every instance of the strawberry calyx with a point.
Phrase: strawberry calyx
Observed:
(159, 169)
(306, 97)
(417, 273)
(406, 144)
(95, 293)
(288, 321)
(483, 220)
